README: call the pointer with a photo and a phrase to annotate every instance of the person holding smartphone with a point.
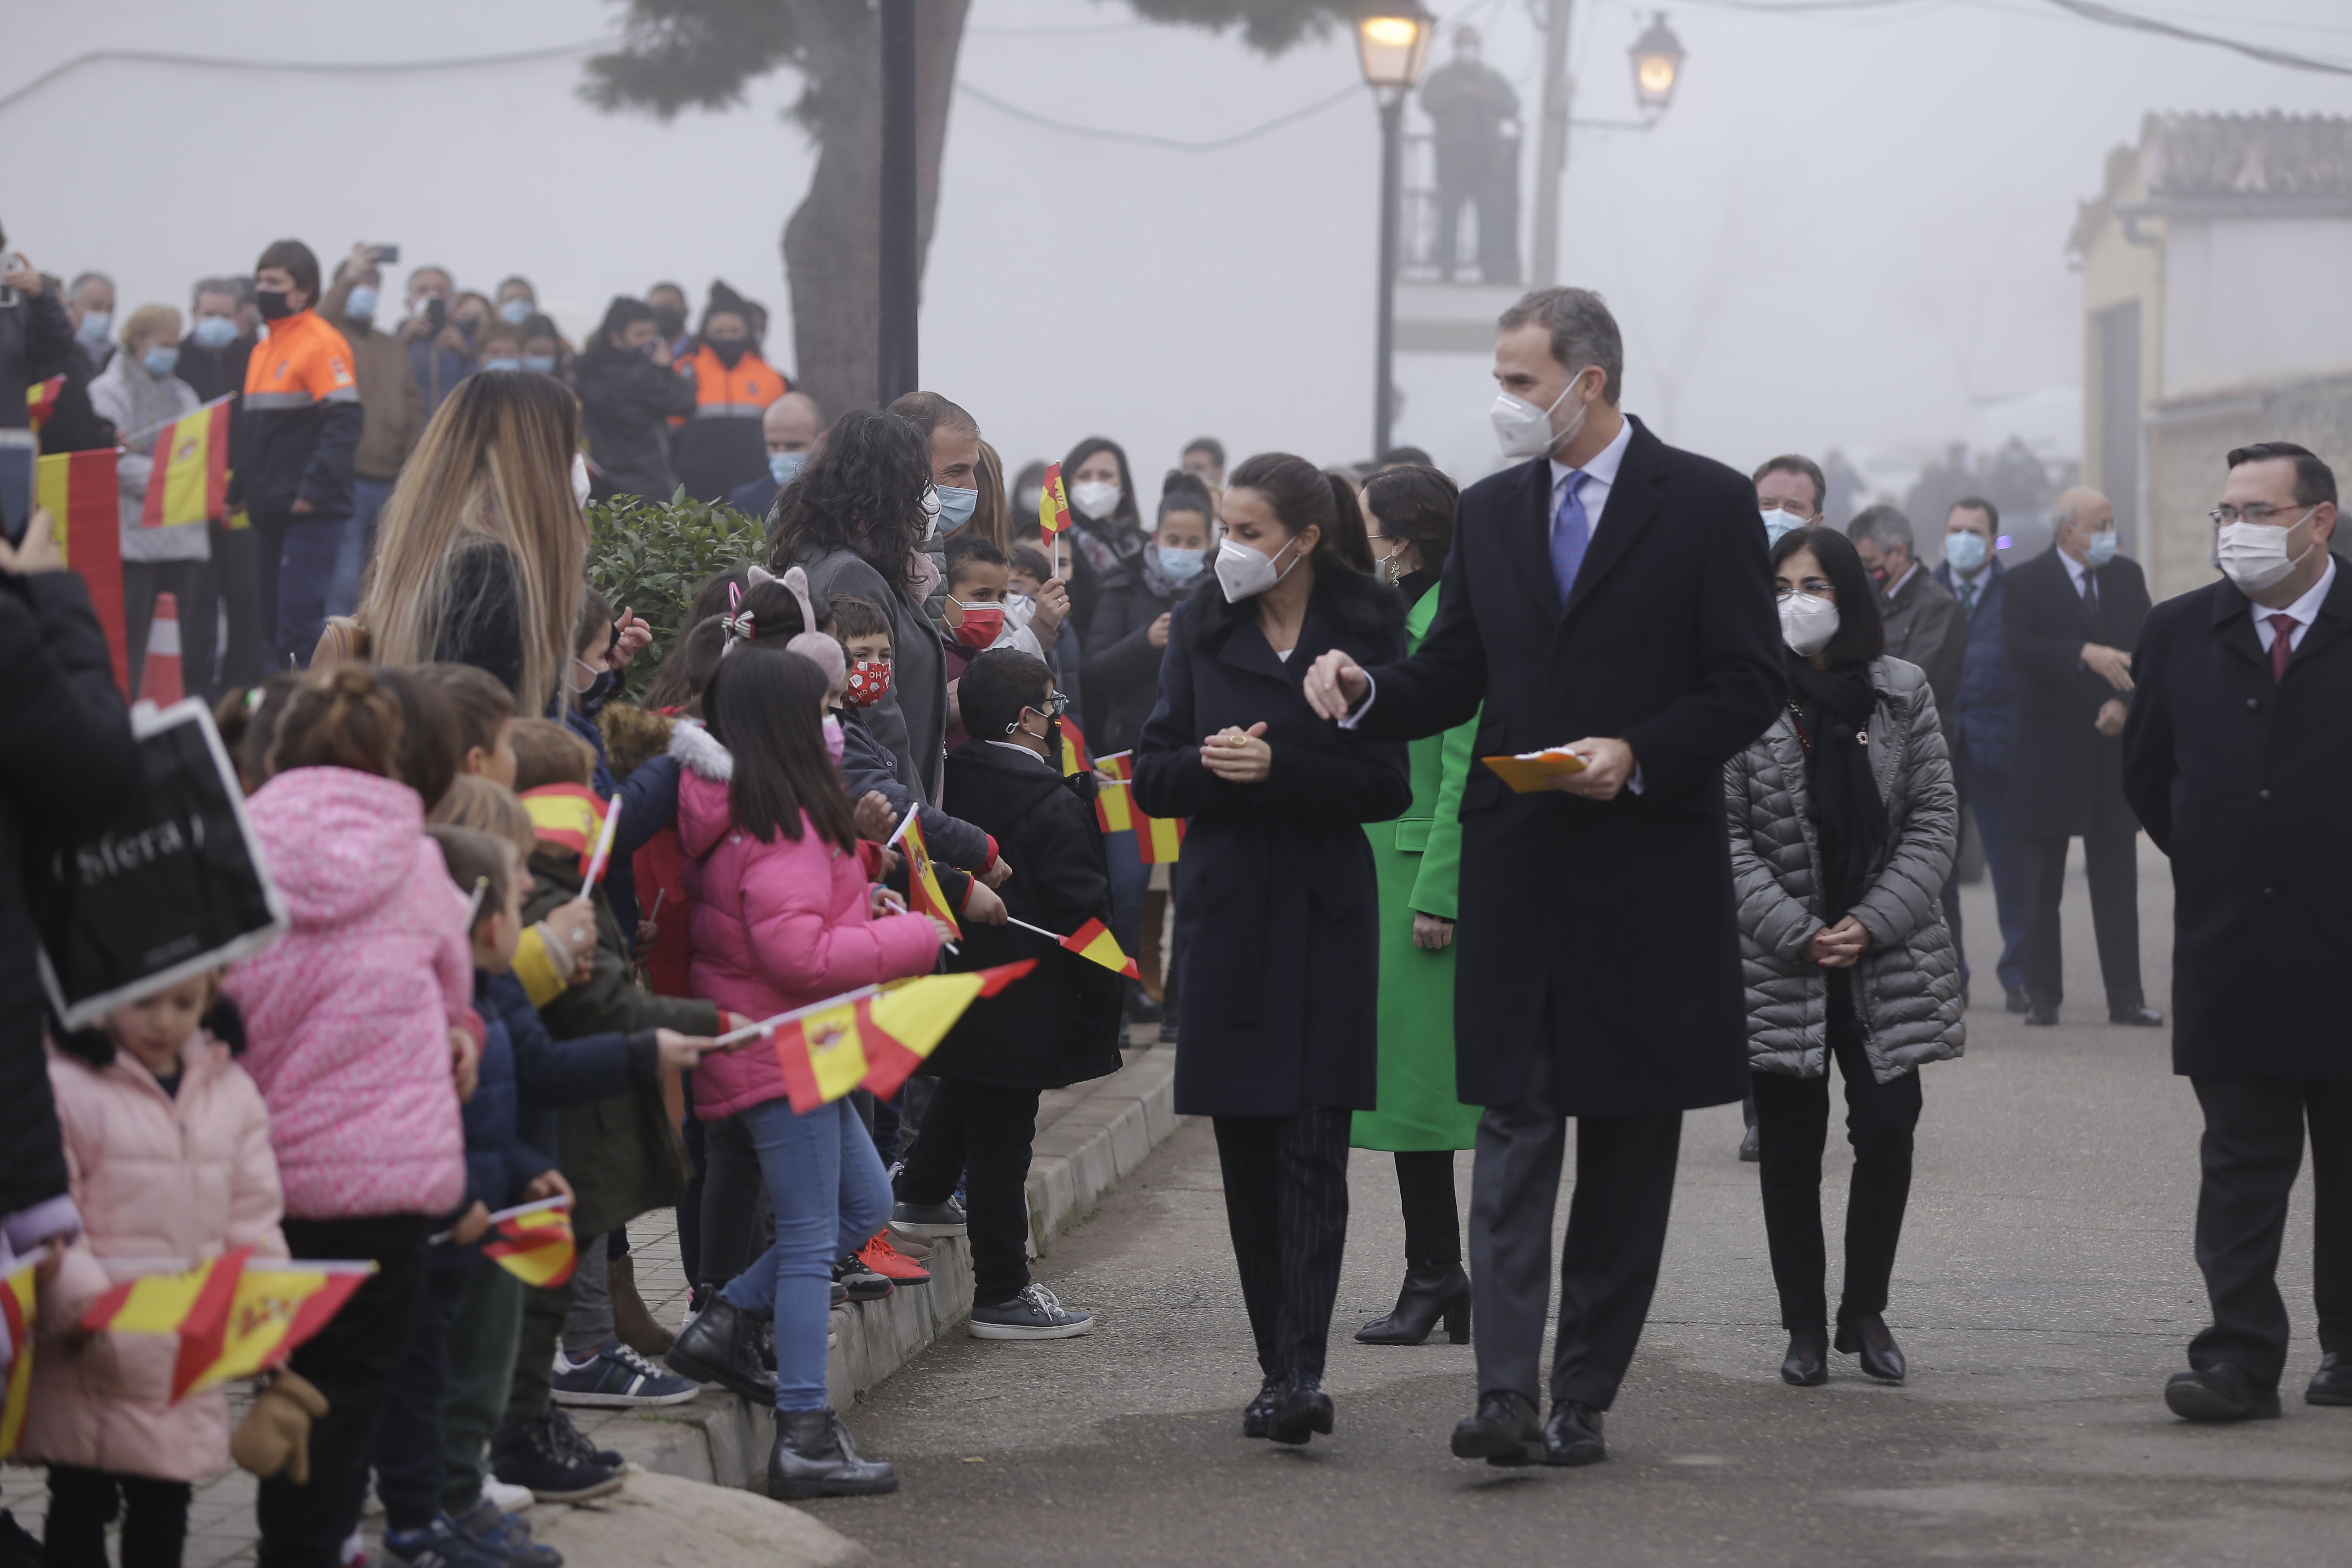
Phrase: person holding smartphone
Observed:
(35, 335)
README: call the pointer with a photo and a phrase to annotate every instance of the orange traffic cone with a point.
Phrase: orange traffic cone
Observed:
(158, 679)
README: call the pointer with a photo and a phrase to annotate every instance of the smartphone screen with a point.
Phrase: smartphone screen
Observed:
(18, 452)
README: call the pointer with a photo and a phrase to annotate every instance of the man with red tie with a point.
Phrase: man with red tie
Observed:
(2238, 760)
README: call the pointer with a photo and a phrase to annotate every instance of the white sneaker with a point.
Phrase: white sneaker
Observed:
(1034, 1314)
(507, 1499)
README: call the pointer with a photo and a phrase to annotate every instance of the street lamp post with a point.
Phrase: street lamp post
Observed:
(895, 351)
(1392, 44)
(1657, 62)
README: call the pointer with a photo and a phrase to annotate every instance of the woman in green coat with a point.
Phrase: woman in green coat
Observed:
(1409, 513)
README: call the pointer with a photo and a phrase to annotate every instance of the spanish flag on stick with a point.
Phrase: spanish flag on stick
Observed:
(234, 1318)
(1091, 941)
(1053, 504)
(570, 814)
(41, 400)
(533, 1242)
(922, 884)
(872, 1037)
(17, 1302)
(1159, 840)
(77, 490)
(1074, 760)
(190, 483)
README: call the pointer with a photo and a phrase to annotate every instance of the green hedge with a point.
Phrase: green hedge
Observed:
(650, 557)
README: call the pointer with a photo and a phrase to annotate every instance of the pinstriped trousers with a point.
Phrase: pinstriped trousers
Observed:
(1287, 1204)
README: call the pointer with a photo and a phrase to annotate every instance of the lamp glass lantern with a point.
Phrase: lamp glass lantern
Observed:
(1657, 64)
(1392, 44)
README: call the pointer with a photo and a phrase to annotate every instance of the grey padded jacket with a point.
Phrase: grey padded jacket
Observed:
(1906, 989)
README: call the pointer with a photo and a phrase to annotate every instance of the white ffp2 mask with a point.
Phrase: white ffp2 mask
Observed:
(1807, 624)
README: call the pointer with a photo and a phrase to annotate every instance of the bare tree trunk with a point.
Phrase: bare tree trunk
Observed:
(832, 243)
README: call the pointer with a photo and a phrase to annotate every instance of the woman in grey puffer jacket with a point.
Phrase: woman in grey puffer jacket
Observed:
(1843, 822)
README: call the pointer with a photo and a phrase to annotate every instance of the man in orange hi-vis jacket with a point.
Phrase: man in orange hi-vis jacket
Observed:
(295, 432)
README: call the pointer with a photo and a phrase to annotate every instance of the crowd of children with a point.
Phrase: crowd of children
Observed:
(458, 1020)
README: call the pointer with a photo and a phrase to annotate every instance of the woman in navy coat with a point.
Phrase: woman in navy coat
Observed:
(1278, 910)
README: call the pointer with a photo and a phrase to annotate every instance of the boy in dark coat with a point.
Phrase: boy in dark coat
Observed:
(1057, 1026)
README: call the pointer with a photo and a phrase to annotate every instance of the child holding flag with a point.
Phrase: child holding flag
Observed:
(1057, 1026)
(783, 916)
(168, 1143)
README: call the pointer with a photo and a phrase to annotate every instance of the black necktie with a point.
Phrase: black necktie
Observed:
(2090, 594)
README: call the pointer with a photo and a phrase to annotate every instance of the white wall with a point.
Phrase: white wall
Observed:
(2252, 300)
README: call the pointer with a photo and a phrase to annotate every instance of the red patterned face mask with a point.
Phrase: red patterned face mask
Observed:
(869, 681)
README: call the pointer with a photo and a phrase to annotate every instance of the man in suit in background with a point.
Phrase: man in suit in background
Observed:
(2238, 757)
(2070, 621)
(1982, 716)
(1924, 625)
(1607, 595)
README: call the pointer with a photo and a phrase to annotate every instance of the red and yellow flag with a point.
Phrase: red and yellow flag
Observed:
(907, 1022)
(41, 400)
(279, 1304)
(823, 1055)
(193, 1304)
(17, 1303)
(1093, 940)
(922, 883)
(1074, 760)
(567, 814)
(1053, 504)
(1158, 839)
(190, 483)
(77, 490)
(535, 1244)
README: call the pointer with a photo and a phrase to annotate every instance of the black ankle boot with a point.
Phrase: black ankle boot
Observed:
(812, 1458)
(1428, 1295)
(1301, 1408)
(1865, 1334)
(720, 1344)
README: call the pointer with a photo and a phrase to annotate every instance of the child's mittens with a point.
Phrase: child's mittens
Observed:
(275, 1433)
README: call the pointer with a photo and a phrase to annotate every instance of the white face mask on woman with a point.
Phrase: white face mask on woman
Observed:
(1095, 498)
(580, 486)
(1245, 573)
(1807, 624)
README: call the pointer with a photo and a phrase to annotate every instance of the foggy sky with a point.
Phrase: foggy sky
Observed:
(1848, 231)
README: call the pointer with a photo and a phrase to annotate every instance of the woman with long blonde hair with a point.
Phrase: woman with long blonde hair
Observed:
(479, 554)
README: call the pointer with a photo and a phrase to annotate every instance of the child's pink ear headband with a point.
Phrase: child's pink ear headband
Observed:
(737, 620)
(797, 581)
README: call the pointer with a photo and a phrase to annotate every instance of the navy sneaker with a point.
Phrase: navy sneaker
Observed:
(504, 1536)
(438, 1545)
(617, 1375)
(1034, 1314)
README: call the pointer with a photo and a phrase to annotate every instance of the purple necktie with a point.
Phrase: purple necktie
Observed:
(1571, 530)
(2282, 645)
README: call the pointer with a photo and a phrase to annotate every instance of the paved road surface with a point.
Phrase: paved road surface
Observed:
(2046, 1290)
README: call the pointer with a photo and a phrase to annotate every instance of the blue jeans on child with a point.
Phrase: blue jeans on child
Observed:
(1131, 878)
(830, 1195)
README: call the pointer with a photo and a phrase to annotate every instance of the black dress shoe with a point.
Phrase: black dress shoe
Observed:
(1807, 1364)
(1503, 1432)
(1865, 1334)
(1751, 1146)
(1573, 1436)
(1429, 1294)
(2018, 1000)
(2042, 1014)
(720, 1344)
(1259, 1412)
(2137, 1016)
(1301, 1409)
(2332, 1384)
(2219, 1392)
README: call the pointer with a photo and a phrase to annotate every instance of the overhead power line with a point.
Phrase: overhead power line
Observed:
(2110, 15)
(1166, 143)
(322, 67)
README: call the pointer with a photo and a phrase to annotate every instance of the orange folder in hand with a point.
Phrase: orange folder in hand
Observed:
(1531, 770)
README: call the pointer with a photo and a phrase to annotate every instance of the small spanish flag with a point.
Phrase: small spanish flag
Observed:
(190, 482)
(18, 1300)
(922, 883)
(534, 1243)
(193, 1304)
(1074, 760)
(1093, 940)
(1158, 839)
(567, 814)
(823, 1055)
(41, 400)
(279, 1304)
(77, 489)
(1053, 504)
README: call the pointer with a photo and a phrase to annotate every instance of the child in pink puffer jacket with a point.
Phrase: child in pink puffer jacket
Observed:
(783, 917)
(352, 1020)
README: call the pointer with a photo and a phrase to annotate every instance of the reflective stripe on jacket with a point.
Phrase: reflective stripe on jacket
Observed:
(299, 423)
(721, 445)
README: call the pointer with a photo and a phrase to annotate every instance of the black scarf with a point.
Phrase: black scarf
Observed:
(1833, 708)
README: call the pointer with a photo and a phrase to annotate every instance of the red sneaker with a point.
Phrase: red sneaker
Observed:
(890, 1263)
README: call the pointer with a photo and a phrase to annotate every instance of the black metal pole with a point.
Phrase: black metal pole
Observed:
(1384, 351)
(896, 373)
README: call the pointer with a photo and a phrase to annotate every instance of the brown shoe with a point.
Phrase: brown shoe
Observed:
(631, 1318)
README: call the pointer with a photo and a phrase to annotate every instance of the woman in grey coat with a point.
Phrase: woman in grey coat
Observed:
(856, 518)
(1843, 822)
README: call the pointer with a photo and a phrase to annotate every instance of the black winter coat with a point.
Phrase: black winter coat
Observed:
(2065, 777)
(2242, 782)
(35, 337)
(1058, 1024)
(1277, 909)
(67, 760)
(627, 401)
(1121, 669)
(1604, 931)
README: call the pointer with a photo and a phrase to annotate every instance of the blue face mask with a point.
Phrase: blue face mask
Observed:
(359, 305)
(1965, 552)
(1777, 523)
(2102, 548)
(516, 310)
(1181, 565)
(95, 326)
(502, 361)
(160, 361)
(543, 363)
(214, 331)
(783, 466)
(956, 506)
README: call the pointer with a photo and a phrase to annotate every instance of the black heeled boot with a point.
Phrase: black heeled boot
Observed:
(1429, 1294)
(1807, 1362)
(1865, 1334)
(812, 1457)
(1301, 1409)
(720, 1344)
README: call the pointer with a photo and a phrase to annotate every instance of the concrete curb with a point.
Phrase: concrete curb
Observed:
(1089, 1137)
